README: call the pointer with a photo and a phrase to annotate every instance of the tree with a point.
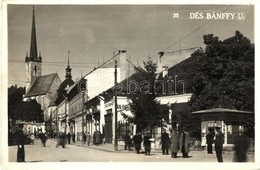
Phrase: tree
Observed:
(143, 104)
(20, 110)
(225, 76)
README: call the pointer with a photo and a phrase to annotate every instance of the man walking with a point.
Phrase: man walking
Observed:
(137, 142)
(219, 144)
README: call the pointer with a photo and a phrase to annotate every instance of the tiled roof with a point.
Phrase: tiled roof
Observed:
(41, 85)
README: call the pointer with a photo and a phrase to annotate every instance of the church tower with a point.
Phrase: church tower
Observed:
(68, 69)
(33, 61)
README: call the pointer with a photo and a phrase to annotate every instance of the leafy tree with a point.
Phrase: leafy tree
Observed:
(143, 104)
(225, 76)
(20, 110)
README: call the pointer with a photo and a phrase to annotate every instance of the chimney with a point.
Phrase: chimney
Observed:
(164, 71)
(122, 64)
(159, 68)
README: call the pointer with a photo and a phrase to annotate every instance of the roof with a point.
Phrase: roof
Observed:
(62, 92)
(41, 85)
(223, 114)
(183, 71)
(221, 110)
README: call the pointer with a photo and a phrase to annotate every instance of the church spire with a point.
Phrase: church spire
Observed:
(68, 69)
(33, 47)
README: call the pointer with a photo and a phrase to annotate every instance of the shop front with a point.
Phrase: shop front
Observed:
(230, 121)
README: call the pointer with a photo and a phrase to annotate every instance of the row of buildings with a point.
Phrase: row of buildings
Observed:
(88, 105)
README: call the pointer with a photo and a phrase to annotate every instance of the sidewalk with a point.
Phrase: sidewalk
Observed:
(194, 155)
(107, 147)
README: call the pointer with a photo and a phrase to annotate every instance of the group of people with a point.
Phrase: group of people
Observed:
(97, 139)
(177, 141)
(241, 145)
(137, 140)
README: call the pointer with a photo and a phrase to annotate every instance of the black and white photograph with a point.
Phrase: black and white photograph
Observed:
(167, 84)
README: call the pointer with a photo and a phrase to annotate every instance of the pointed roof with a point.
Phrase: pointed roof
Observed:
(41, 85)
(33, 46)
(68, 69)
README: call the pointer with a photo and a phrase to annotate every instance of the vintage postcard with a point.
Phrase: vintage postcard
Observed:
(87, 84)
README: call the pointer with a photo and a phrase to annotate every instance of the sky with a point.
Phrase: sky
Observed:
(92, 32)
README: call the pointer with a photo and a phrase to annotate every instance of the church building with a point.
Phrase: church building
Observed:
(40, 87)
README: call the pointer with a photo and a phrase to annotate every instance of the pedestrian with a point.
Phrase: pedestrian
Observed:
(184, 142)
(68, 137)
(127, 140)
(61, 140)
(98, 137)
(210, 140)
(20, 139)
(241, 145)
(219, 141)
(174, 143)
(84, 137)
(88, 138)
(137, 142)
(32, 138)
(43, 138)
(147, 143)
(94, 138)
(165, 142)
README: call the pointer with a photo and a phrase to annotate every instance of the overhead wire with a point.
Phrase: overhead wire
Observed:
(191, 32)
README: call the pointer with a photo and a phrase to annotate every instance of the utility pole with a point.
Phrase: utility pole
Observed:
(65, 115)
(57, 131)
(83, 101)
(116, 145)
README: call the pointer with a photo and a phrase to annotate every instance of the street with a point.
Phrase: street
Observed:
(83, 153)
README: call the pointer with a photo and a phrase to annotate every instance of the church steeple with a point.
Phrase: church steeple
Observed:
(33, 46)
(33, 61)
(68, 69)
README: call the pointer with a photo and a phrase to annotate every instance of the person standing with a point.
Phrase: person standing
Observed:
(137, 142)
(165, 142)
(219, 141)
(98, 137)
(241, 145)
(20, 139)
(174, 143)
(210, 140)
(147, 143)
(127, 139)
(184, 142)
(68, 137)
(88, 138)
(84, 138)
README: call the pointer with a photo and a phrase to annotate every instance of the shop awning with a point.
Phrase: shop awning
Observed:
(223, 114)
